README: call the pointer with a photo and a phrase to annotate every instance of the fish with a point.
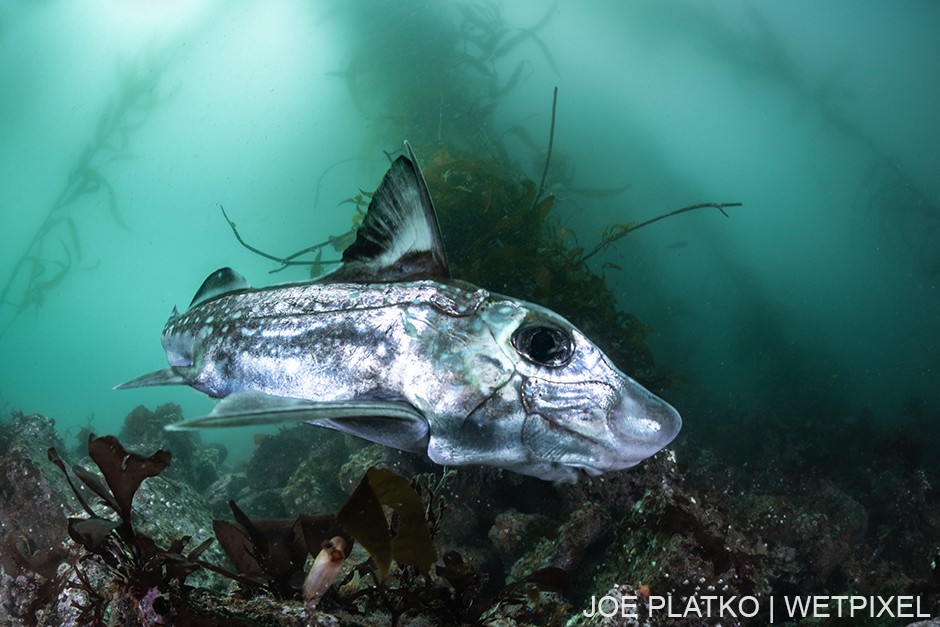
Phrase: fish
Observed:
(389, 347)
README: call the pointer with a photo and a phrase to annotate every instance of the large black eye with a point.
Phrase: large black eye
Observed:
(543, 345)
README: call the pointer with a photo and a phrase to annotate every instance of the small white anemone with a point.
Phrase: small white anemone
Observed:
(323, 573)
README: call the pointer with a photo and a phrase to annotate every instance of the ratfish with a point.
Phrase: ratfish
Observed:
(388, 347)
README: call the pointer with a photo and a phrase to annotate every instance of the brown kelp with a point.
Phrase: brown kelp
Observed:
(363, 517)
(124, 569)
(466, 63)
(271, 554)
(55, 249)
(144, 577)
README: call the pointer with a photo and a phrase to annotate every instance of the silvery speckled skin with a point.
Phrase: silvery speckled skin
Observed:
(430, 365)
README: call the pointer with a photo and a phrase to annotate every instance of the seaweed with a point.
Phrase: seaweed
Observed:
(193, 462)
(469, 58)
(458, 594)
(905, 214)
(396, 521)
(138, 568)
(363, 518)
(55, 249)
(616, 232)
(121, 575)
(19, 560)
(500, 230)
(904, 209)
(271, 554)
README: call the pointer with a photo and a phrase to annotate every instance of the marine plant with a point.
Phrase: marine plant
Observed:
(905, 213)
(455, 594)
(55, 249)
(194, 462)
(511, 239)
(42, 566)
(395, 521)
(364, 519)
(145, 578)
(270, 554)
(467, 58)
(118, 574)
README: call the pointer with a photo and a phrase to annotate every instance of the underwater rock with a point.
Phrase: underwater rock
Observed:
(616, 618)
(514, 533)
(579, 536)
(668, 539)
(314, 486)
(193, 462)
(570, 545)
(34, 497)
(846, 522)
(810, 538)
(165, 509)
(736, 531)
(143, 425)
(229, 487)
(277, 456)
(35, 501)
(363, 455)
(275, 461)
(262, 503)
(308, 492)
(476, 496)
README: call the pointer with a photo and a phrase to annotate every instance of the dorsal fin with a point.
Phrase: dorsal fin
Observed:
(222, 281)
(399, 239)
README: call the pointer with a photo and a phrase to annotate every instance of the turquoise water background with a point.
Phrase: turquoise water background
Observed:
(822, 290)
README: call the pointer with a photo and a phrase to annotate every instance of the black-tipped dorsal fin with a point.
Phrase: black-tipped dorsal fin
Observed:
(399, 239)
(222, 281)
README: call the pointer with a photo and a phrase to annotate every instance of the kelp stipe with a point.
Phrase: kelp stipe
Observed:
(55, 249)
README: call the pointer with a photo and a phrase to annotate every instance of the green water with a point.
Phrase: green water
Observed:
(124, 126)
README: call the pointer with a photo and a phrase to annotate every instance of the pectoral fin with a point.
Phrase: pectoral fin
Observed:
(390, 423)
(167, 376)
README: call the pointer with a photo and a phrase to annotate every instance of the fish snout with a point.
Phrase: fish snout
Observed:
(642, 422)
(593, 425)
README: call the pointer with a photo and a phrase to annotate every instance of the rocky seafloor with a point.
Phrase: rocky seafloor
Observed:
(790, 514)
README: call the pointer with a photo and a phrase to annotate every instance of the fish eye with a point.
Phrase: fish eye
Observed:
(543, 345)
